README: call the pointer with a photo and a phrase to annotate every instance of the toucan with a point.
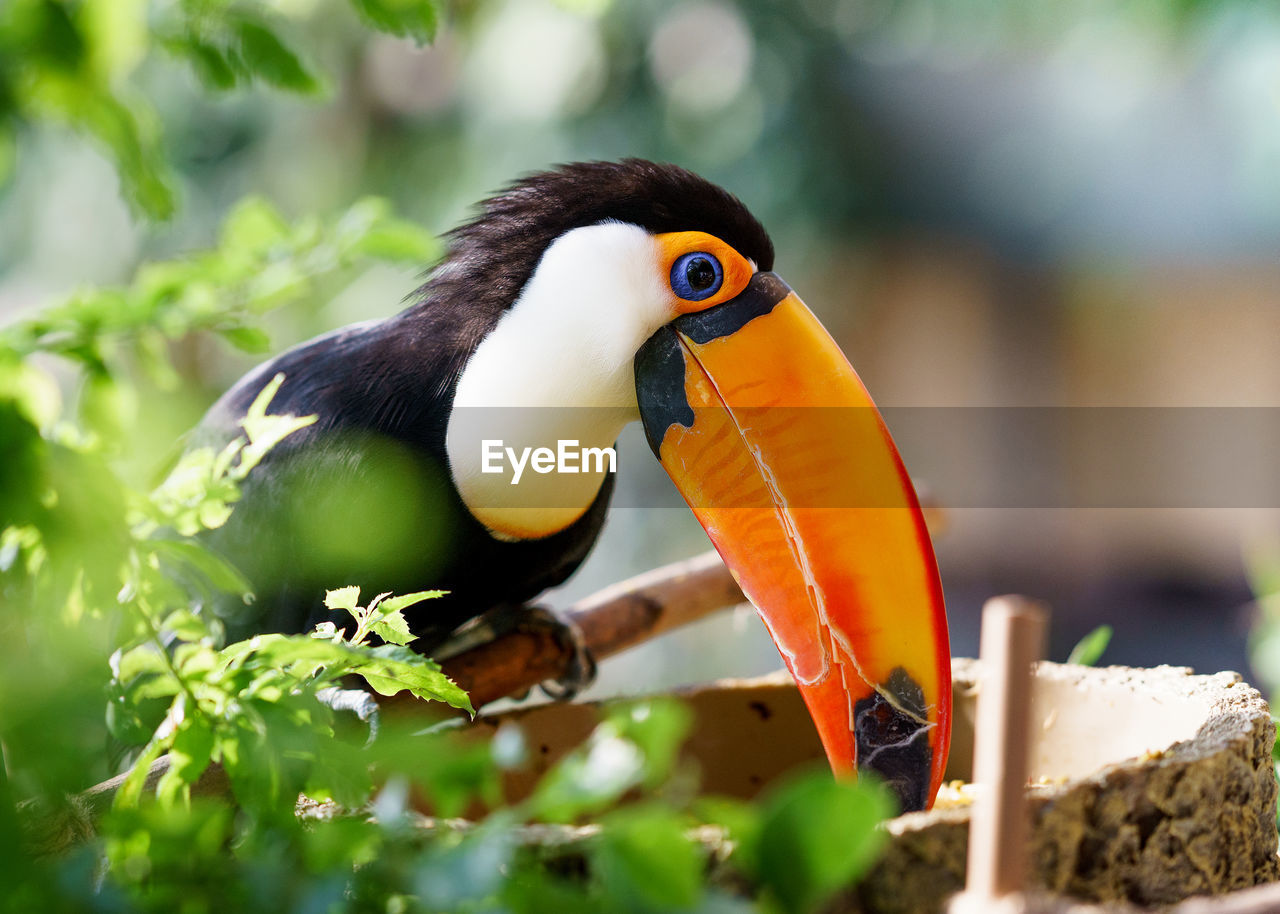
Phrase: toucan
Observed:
(578, 300)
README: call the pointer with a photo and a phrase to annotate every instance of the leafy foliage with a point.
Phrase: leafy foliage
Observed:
(1263, 569)
(1089, 649)
(74, 63)
(105, 644)
(260, 264)
(89, 563)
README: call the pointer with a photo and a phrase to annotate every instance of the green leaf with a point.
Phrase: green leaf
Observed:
(340, 773)
(659, 727)
(263, 431)
(461, 876)
(589, 779)
(143, 659)
(135, 781)
(247, 339)
(1088, 650)
(277, 652)
(741, 823)
(391, 669)
(404, 601)
(277, 284)
(416, 19)
(347, 598)
(645, 860)
(451, 770)
(211, 63)
(8, 153)
(185, 625)
(398, 241)
(212, 514)
(270, 60)
(393, 628)
(192, 748)
(117, 35)
(819, 835)
(220, 573)
(255, 226)
(143, 169)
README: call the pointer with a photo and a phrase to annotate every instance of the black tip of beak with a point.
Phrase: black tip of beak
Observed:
(893, 740)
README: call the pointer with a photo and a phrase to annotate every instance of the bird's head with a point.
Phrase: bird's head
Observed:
(604, 293)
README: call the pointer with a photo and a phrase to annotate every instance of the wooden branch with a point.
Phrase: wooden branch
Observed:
(611, 620)
(48, 831)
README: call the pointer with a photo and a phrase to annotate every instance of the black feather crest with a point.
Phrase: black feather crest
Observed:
(490, 258)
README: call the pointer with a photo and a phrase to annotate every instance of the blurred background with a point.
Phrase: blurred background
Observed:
(990, 204)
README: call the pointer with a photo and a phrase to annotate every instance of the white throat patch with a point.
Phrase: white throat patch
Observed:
(558, 367)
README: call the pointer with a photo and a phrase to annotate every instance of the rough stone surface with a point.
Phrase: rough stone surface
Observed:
(1197, 818)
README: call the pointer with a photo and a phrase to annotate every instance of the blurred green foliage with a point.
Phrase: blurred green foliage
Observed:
(102, 584)
(1263, 566)
(1089, 649)
(104, 644)
(71, 62)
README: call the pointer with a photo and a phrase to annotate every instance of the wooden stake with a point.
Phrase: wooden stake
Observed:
(1013, 632)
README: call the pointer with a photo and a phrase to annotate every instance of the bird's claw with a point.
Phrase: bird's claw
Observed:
(580, 671)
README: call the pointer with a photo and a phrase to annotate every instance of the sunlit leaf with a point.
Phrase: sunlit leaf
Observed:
(254, 225)
(391, 669)
(343, 598)
(393, 628)
(268, 58)
(247, 339)
(647, 862)
(404, 601)
(818, 835)
(398, 241)
(416, 19)
(589, 779)
(117, 34)
(185, 625)
(192, 748)
(1088, 650)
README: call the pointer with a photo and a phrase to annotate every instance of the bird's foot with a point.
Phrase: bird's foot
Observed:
(580, 672)
(507, 618)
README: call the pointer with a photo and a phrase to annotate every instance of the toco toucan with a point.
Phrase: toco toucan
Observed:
(581, 299)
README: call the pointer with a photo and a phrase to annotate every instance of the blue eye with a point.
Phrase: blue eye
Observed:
(696, 276)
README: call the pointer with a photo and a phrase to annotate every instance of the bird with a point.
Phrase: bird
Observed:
(577, 300)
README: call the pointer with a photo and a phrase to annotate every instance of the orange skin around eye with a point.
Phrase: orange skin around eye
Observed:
(737, 269)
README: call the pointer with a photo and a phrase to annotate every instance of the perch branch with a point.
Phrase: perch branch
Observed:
(611, 620)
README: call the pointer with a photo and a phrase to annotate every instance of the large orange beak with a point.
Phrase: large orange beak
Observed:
(775, 444)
